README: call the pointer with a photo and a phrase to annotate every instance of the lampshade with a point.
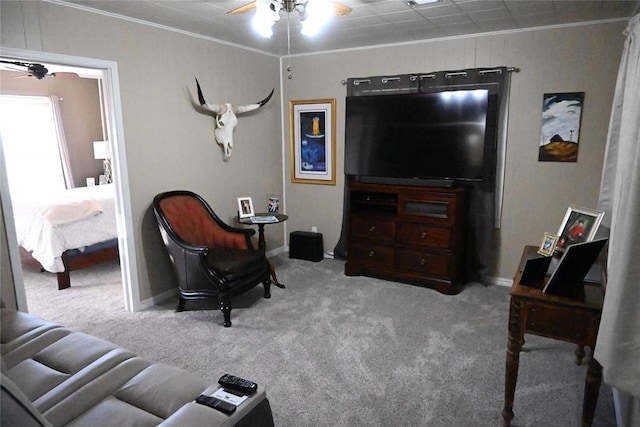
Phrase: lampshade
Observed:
(101, 150)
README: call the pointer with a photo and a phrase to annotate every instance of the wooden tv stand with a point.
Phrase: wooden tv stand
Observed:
(408, 234)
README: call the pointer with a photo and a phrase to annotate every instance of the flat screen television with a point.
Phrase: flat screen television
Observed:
(447, 135)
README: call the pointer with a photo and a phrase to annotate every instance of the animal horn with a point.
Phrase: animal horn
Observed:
(239, 109)
(215, 108)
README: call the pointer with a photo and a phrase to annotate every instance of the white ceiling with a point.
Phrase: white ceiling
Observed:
(372, 22)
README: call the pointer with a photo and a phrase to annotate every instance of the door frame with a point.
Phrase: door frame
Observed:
(114, 129)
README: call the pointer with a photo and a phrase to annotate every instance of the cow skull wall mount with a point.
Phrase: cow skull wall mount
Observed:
(226, 118)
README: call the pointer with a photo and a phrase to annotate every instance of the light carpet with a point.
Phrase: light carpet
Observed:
(333, 350)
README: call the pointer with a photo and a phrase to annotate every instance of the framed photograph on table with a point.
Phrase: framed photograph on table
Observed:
(313, 141)
(245, 207)
(548, 246)
(579, 225)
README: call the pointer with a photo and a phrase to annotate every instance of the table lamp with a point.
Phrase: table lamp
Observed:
(101, 150)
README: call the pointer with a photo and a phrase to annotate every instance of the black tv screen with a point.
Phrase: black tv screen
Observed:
(440, 135)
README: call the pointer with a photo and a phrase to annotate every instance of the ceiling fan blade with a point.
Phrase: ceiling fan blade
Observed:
(64, 75)
(341, 9)
(243, 9)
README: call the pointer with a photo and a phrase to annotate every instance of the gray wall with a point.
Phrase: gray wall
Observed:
(537, 194)
(169, 145)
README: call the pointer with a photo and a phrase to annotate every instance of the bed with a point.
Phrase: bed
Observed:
(67, 231)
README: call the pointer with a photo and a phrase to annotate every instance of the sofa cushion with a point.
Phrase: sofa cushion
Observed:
(146, 392)
(73, 357)
(17, 327)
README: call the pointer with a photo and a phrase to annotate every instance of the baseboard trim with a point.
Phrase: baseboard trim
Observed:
(158, 299)
(501, 281)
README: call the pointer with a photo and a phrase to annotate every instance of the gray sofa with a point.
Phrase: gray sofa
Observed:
(52, 376)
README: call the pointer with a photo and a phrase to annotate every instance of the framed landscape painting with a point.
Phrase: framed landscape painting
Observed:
(313, 141)
(561, 115)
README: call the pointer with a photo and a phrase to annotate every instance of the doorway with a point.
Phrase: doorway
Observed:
(106, 72)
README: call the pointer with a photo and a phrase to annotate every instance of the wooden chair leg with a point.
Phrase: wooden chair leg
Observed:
(225, 307)
(181, 303)
(267, 288)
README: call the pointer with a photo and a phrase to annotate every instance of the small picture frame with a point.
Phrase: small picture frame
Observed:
(579, 225)
(548, 246)
(245, 207)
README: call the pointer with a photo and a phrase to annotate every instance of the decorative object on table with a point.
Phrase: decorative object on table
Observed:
(102, 150)
(245, 207)
(568, 277)
(561, 114)
(273, 205)
(313, 142)
(548, 246)
(226, 118)
(579, 225)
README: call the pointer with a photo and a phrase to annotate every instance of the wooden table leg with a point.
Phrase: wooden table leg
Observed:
(591, 391)
(275, 278)
(514, 346)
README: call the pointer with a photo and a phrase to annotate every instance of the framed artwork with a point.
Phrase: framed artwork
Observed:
(313, 141)
(561, 115)
(245, 207)
(548, 245)
(579, 225)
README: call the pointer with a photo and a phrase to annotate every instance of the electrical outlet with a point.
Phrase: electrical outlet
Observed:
(314, 229)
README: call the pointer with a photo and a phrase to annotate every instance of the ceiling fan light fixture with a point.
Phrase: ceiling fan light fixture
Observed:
(264, 18)
(316, 14)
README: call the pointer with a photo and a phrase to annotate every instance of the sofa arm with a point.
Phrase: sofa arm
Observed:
(255, 412)
(16, 408)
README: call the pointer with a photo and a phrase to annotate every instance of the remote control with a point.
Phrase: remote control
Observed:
(232, 382)
(214, 402)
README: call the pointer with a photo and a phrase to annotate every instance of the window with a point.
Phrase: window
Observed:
(31, 144)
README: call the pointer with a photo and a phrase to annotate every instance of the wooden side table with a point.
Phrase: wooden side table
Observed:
(262, 245)
(533, 312)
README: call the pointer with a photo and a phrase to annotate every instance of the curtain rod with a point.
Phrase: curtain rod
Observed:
(449, 74)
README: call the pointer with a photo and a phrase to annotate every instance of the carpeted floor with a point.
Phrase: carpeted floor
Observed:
(343, 351)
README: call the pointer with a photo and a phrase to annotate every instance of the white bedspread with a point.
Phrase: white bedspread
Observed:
(47, 242)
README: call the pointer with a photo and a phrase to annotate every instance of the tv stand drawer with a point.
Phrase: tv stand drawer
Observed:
(373, 257)
(417, 234)
(423, 262)
(372, 227)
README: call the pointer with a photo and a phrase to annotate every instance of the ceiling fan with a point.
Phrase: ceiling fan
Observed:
(39, 71)
(289, 6)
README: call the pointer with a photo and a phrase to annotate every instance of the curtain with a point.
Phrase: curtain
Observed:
(62, 142)
(618, 345)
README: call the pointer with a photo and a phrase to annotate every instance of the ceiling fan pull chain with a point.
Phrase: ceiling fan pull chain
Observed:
(289, 75)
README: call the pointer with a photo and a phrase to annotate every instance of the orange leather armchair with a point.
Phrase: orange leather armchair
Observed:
(211, 258)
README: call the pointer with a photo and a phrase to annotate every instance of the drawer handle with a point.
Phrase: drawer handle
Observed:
(423, 235)
(372, 253)
(372, 228)
(423, 262)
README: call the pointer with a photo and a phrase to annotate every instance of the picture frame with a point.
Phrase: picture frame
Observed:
(245, 207)
(560, 131)
(578, 225)
(313, 141)
(548, 245)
